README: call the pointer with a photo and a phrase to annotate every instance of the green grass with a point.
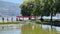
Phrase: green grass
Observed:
(21, 22)
(10, 23)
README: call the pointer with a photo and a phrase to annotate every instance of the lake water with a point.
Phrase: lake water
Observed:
(10, 29)
(17, 28)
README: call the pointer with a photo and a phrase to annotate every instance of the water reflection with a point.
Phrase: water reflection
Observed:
(10, 29)
(38, 29)
(19, 29)
(48, 26)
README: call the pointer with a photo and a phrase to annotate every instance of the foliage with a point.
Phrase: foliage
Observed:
(27, 8)
(40, 7)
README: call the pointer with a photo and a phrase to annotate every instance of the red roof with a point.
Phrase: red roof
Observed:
(25, 16)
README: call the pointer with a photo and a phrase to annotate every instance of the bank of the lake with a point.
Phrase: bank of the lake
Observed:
(53, 23)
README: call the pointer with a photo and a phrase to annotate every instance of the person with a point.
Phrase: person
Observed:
(16, 19)
(7, 20)
(3, 19)
(12, 19)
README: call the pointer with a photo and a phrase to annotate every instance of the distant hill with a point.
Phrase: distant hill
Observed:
(10, 9)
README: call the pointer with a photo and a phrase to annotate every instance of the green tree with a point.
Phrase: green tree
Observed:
(27, 8)
(57, 5)
(40, 8)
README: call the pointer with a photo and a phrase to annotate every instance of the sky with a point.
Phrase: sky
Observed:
(15, 1)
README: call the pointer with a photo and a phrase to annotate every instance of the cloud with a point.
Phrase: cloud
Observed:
(14, 1)
(7, 6)
(6, 9)
(0, 8)
(12, 9)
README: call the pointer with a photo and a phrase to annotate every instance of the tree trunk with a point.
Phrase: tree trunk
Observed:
(41, 21)
(51, 18)
(23, 18)
(35, 18)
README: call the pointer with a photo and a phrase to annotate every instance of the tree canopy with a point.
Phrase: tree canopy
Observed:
(40, 7)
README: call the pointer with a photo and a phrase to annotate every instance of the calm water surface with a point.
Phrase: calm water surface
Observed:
(16, 28)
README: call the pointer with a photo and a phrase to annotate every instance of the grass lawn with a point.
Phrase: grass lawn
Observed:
(12, 23)
(21, 22)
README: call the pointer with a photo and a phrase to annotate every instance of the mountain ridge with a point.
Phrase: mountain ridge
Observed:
(10, 9)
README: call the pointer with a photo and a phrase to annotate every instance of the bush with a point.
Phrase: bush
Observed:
(38, 21)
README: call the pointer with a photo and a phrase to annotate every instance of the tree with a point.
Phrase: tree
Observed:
(40, 8)
(26, 8)
(57, 6)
